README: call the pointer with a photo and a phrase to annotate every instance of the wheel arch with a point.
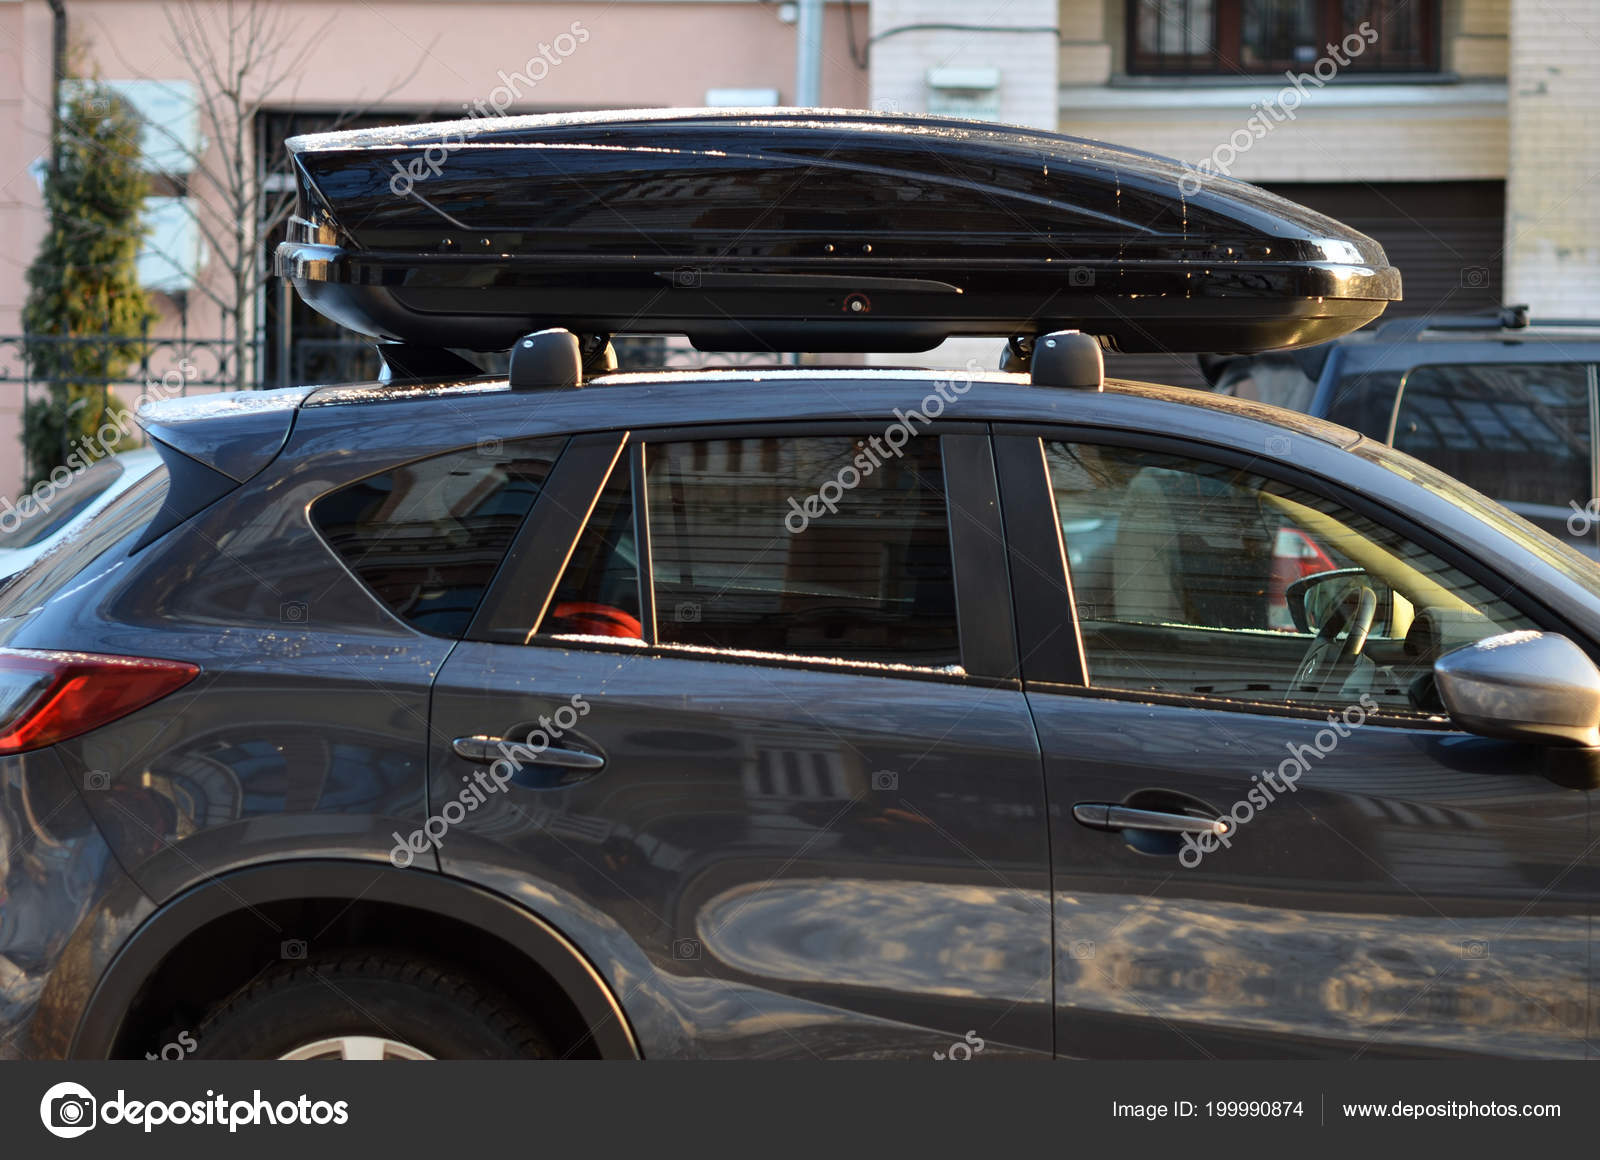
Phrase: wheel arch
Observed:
(150, 949)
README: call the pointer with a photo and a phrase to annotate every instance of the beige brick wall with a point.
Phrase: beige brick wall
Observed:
(1027, 61)
(1475, 37)
(1383, 133)
(1553, 192)
(1387, 133)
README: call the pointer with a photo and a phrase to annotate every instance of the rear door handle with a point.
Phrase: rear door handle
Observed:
(487, 750)
(1105, 816)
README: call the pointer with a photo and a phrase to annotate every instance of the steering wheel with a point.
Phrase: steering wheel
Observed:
(1328, 656)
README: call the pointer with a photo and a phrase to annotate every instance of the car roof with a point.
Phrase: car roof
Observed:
(745, 394)
(1403, 343)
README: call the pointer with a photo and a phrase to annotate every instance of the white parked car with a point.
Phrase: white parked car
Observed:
(41, 530)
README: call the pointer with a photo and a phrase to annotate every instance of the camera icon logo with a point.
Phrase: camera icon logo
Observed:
(687, 612)
(96, 780)
(68, 1110)
(292, 612)
(491, 448)
(293, 948)
(1080, 276)
(685, 949)
(1474, 948)
(1277, 445)
(1081, 948)
(686, 278)
(1474, 277)
(885, 779)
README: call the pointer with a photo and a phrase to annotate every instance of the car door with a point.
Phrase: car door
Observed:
(1381, 884)
(747, 707)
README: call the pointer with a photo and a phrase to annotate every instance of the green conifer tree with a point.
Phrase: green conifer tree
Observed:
(83, 283)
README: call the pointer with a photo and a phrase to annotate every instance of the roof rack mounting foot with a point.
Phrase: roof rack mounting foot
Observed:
(1018, 354)
(546, 358)
(1069, 358)
(408, 361)
(599, 356)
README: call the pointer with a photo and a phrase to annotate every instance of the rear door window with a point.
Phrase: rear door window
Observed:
(811, 547)
(744, 559)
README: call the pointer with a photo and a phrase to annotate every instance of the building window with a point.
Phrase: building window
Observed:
(1250, 37)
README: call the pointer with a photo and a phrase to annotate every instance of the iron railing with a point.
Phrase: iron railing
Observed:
(179, 365)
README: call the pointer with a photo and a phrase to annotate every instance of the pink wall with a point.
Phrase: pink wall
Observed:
(403, 54)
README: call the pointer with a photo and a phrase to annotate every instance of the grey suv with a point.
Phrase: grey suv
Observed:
(767, 721)
(795, 712)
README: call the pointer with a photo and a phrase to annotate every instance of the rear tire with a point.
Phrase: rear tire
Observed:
(417, 1009)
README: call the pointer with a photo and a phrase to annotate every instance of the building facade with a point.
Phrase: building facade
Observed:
(1457, 132)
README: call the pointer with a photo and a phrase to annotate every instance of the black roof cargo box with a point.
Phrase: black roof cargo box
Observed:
(806, 230)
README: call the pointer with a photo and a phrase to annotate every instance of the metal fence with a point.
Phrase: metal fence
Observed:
(178, 365)
(169, 367)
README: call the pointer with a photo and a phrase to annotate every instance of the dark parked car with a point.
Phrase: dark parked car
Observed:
(1505, 405)
(762, 713)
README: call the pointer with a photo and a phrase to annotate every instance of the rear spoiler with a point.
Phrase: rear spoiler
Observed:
(211, 444)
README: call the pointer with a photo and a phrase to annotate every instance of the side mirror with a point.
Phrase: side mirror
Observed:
(1523, 686)
(1310, 597)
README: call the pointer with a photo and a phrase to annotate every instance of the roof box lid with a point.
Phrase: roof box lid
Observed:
(804, 229)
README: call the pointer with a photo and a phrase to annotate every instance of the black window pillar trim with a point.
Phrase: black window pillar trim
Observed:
(526, 581)
(1049, 640)
(984, 618)
(641, 543)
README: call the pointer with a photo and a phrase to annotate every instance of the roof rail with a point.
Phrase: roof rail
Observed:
(1505, 318)
(404, 361)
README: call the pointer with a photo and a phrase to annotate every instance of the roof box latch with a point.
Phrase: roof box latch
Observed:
(1068, 358)
(546, 358)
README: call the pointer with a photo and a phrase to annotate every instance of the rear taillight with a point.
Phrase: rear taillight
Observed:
(48, 696)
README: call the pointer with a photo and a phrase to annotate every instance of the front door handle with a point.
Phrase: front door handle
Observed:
(487, 750)
(1105, 816)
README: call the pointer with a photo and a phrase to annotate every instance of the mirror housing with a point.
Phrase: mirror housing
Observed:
(1523, 686)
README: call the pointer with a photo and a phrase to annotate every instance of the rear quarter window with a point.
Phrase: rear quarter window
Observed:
(1518, 432)
(426, 537)
(1364, 402)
